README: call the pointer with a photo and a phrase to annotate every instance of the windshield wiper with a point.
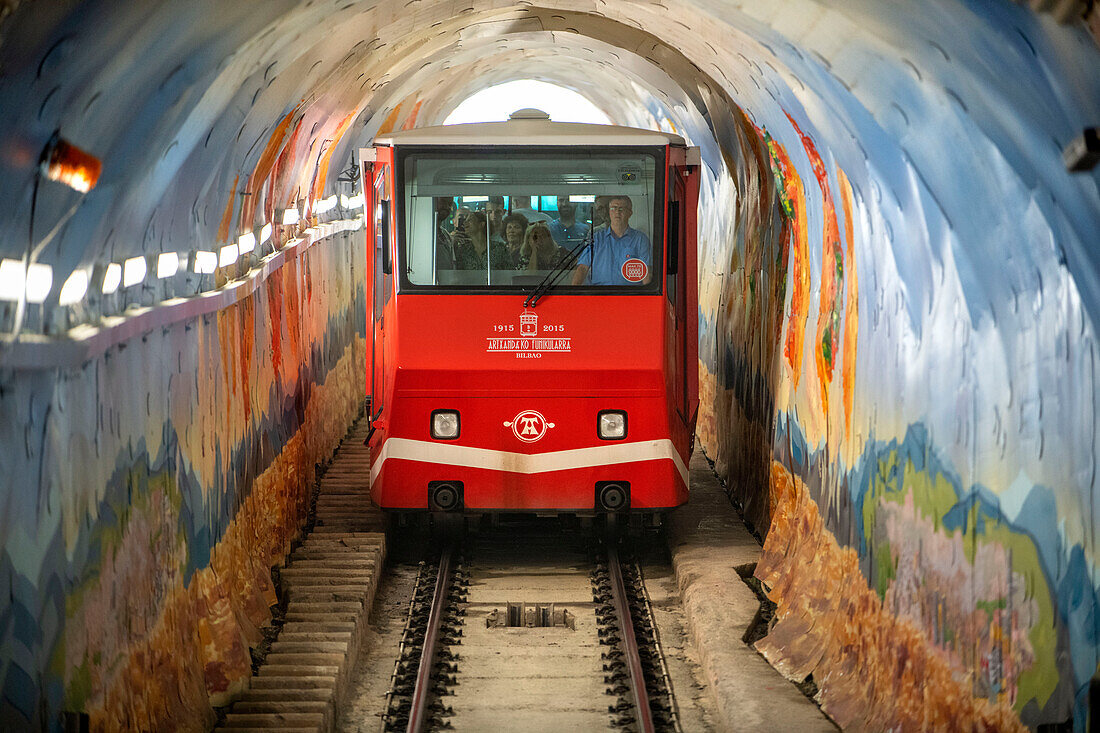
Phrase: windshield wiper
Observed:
(564, 265)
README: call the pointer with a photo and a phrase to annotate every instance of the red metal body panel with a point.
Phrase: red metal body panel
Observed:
(615, 361)
(566, 360)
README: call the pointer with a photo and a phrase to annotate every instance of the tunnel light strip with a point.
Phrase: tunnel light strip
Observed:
(206, 262)
(246, 243)
(18, 281)
(74, 289)
(89, 340)
(168, 264)
(265, 234)
(291, 217)
(227, 255)
(325, 205)
(112, 278)
(39, 282)
(133, 271)
(13, 280)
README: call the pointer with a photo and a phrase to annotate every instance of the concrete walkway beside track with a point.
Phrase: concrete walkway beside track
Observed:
(708, 542)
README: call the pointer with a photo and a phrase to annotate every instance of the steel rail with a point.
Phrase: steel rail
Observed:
(418, 710)
(630, 642)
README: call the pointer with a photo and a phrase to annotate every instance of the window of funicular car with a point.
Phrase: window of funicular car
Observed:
(436, 255)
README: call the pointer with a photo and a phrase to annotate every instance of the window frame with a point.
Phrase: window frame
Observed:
(656, 285)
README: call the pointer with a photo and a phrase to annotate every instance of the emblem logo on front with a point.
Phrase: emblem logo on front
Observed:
(528, 323)
(529, 426)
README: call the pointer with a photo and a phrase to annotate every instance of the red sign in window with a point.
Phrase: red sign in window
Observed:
(634, 270)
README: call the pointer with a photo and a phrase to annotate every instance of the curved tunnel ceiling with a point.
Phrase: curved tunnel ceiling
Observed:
(936, 130)
(183, 104)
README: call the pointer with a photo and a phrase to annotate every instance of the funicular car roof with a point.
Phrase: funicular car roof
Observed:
(529, 132)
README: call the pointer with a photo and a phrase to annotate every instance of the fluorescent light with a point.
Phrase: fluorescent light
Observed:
(74, 289)
(344, 200)
(112, 278)
(356, 201)
(133, 271)
(474, 199)
(206, 262)
(246, 243)
(168, 264)
(13, 280)
(39, 282)
(325, 205)
(227, 255)
(18, 281)
(582, 199)
(265, 234)
(290, 216)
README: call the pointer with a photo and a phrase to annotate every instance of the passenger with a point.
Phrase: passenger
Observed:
(599, 212)
(473, 250)
(495, 209)
(444, 240)
(460, 219)
(602, 263)
(566, 230)
(539, 250)
(515, 226)
(522, 205)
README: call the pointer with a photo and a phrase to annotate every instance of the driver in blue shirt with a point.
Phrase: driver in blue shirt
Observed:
(603, 262)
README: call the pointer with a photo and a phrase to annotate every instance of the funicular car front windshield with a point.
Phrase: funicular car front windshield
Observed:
(500, 219)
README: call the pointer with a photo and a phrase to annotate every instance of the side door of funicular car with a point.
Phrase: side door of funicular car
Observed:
(681, 285)
(377, 177)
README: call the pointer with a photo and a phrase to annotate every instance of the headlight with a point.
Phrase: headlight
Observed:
(612, 424)
(445, 424)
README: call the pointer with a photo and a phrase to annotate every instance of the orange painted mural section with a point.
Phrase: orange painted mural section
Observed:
(410, 121)
(832, 275)
(230, 207)
(261, 172)
(851, 307)
(800, 263)
(874, 671)
(281, 183)
(390, 122)
(321, 175)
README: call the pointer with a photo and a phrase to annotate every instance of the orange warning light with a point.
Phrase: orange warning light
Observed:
(66, 163)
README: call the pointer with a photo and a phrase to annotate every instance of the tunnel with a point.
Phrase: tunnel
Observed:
(898, 273)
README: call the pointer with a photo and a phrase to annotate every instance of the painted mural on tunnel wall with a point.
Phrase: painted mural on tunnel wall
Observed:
(147, 505)
(147, 493)
(925, 395)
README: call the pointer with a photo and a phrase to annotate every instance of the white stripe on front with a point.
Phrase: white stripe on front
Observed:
(498, 460)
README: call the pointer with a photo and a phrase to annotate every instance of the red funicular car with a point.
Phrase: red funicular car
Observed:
(533, 319)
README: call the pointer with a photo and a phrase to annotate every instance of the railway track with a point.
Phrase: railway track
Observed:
(530, 633)
(526, 630)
